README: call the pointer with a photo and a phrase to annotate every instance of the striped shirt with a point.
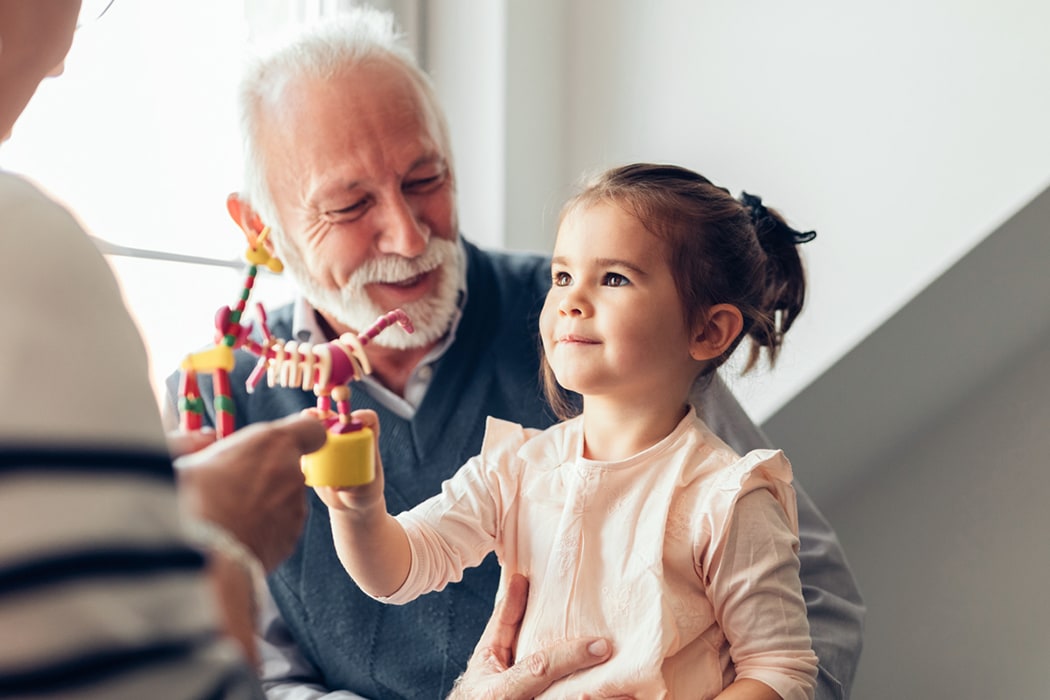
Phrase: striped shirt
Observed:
(101, 596)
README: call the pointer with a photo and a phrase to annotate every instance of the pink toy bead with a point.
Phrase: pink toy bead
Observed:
(342, 368)
(385, 321)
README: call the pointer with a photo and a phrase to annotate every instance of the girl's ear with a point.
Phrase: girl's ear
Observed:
(717, 332)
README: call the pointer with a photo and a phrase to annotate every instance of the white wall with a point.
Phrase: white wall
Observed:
(466, 57)
(948, 540)
(964, 327)
(904, 132)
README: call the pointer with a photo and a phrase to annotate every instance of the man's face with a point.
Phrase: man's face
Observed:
(364, 195)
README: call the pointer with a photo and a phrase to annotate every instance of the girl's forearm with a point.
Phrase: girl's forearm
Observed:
(373, 549)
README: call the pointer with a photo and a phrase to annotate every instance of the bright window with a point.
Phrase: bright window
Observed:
(139, 138)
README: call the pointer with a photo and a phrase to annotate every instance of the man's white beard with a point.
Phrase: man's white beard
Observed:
(351, 305)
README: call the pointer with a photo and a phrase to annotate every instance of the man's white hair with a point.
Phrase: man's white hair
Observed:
(319, 51)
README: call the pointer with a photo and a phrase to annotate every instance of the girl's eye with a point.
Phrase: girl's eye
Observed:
(561, 279)
(615, 279)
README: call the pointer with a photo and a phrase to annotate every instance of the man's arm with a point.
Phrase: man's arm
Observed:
(833, 603)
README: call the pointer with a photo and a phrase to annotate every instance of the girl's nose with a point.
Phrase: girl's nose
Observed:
(573, 303)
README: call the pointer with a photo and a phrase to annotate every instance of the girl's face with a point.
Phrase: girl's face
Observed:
(612, 324)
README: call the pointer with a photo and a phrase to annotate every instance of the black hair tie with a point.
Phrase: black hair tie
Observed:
(765, 223)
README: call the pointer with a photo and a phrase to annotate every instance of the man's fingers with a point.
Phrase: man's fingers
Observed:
(501, 631)
(535, 673)
(489, 660)
(302, 434)
(184, 443)
(276, 441)
(511, 608)
(568, 656)
(307, 433)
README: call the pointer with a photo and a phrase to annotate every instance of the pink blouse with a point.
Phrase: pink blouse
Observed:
(684, 555)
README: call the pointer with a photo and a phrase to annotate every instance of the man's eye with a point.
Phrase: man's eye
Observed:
(615, 279)
(561, 279)
(421, 185)
(349, 213)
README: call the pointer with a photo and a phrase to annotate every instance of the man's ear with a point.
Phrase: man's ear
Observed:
(717, 332)
(247, 220)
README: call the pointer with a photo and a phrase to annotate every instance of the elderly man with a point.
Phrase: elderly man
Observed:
(348, 162)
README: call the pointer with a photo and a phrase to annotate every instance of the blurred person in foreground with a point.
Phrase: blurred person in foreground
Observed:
(103, 593)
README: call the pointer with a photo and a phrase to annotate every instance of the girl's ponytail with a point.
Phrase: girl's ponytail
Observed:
(785, 278)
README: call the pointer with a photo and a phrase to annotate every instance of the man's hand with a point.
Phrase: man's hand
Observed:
(492, 672)
(250, 483)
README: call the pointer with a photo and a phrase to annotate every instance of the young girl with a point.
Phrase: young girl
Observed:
(631, 520)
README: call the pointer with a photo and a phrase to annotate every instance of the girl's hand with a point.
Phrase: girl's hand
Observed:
(366, 497)
(371, 544)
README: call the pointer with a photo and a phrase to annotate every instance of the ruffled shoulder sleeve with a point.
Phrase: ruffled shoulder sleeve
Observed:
(758, 469)
(547, 449)
(750, 572)
(502, 438)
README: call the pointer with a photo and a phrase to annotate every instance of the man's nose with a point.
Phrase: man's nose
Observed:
(402, 232)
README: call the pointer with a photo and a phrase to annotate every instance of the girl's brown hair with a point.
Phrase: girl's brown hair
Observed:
(721, 251)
